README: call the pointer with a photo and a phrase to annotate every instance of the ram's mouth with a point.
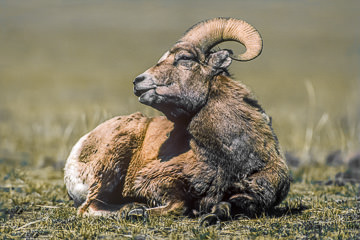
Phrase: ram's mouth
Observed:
(140, 91)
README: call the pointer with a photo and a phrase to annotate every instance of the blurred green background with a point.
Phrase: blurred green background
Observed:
(66, 66)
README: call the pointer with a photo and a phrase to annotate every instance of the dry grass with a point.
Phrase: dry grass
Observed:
(35, 205)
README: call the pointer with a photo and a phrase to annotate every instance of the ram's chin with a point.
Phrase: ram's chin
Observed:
(148, 98)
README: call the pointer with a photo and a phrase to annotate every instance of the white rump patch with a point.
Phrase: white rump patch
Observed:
(76, 186)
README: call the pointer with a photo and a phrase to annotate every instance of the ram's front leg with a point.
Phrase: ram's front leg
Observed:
(260, 193)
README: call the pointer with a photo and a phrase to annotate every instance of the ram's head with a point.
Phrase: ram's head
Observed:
(178, 84)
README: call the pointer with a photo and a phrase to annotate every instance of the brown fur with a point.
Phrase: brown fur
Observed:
(158, 165)
(214, 152)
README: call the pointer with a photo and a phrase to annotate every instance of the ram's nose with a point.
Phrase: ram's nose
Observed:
(143, 83)
(139, 78)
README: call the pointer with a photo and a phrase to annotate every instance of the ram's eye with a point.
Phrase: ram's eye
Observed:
(183, 57)
(185, 60)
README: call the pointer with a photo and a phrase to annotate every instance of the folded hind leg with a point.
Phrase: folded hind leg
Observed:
(101, 200)
(94, 205)
(141, 212)
(172, 207)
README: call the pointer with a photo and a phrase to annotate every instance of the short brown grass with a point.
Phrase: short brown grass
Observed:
(35, 205)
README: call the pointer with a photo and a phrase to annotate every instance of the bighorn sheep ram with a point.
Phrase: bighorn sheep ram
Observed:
(215, 152)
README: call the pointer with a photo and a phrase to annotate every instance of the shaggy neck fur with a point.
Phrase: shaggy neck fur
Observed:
(233, 134)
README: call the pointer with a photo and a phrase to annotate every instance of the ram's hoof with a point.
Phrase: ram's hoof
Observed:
(208, 220)
(222, 210)
(137, 214)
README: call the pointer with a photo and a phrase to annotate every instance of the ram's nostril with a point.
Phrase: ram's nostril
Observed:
(138, 79)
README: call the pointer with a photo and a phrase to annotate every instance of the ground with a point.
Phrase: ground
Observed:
(34, 204)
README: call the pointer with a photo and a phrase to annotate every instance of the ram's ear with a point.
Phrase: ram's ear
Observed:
(220, 59)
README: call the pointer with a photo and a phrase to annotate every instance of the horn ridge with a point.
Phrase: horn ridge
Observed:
(209, 33)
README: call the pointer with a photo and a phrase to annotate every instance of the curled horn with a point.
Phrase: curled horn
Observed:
(209, 33)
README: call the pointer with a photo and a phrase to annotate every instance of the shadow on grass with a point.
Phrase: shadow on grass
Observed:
(277, 212)
(287, 211)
